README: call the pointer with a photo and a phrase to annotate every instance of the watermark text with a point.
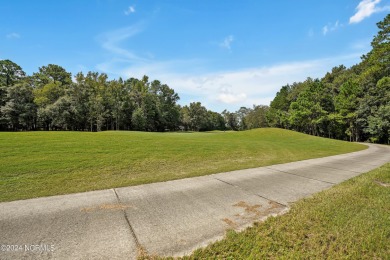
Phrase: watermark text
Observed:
(34, 248)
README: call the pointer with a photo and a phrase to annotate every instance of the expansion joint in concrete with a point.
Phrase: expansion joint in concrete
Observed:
(128, 223)
(281, 204)
(334, 168)
(228, 183)
(274, 201)
(333, 183)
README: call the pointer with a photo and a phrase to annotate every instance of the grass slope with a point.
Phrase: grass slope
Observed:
(35, 164)
(348, 221)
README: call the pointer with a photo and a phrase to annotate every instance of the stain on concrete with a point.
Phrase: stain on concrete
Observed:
(273, 208)
(230, 223)
(114, 206)
(253, 213)
(254, 209)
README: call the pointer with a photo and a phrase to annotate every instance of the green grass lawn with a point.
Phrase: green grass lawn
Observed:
(348, 221)
(34, 164)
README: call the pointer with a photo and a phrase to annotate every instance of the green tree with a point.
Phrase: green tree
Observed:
(185, 118)
(52, 73)
(138, 119)
(241, 114)
(257, 117)
(62, 113)
(308, 112)
(346, 104)
(115, 103)
(96, 84)
(167, 105)
(50, 84)
(216, 121)
(19, 111)
(198, 116)
(231, 120)
(79, 94)
(376, 64)
(10, 73)
(379, 125)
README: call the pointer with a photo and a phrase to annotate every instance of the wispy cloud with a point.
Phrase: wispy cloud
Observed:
(255, 85)
(230, 89)
(331, 27)
(112, 41)
(13, 36)
(325, 30)
(228, 96)
(365, 9)
(130, 10)
(226, 43)
(219, 89)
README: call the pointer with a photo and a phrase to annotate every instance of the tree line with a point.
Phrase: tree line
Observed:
(50, 100)
(347, 103)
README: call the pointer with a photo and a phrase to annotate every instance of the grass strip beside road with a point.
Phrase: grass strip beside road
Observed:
(348, 221)
(36, 164)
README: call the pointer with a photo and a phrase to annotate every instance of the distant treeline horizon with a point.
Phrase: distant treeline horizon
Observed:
(347, 103)
(50, 100)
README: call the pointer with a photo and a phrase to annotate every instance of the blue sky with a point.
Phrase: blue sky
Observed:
(225, 54)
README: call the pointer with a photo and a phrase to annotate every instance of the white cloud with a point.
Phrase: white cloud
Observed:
(365, 9)
(232, 89)
(252, 85)
(325, 30)
(228, 96)
(130, 10)
(231, 98)
(331, 27)
(228, 89)
(226, 43)
(13, 36)
(219, 89)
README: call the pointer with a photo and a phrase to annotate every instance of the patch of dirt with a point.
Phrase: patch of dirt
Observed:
(273, 206)
(383, 184)
(252, 212)
(230, 222)
(181, 242)
(248, 208)
(116, 206)
(143, 254)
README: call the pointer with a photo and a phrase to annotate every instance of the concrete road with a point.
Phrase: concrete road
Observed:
(169, 218)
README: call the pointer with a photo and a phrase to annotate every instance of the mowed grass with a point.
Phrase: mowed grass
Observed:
(34, 164)
(348, 221)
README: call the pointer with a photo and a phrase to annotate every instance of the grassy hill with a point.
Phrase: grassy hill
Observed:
(35, 164)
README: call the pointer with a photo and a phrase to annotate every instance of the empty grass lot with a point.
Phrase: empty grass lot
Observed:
(348, 221)
(35, 164)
